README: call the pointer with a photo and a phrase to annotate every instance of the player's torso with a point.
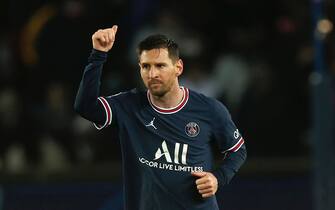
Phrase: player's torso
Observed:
(166, 146)
(175, 141)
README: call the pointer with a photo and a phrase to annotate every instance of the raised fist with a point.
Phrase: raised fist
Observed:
(103, 39)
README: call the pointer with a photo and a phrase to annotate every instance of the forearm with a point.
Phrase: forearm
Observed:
(230, 165)
(86, 102)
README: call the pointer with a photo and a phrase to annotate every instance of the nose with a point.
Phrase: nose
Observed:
(153, 73)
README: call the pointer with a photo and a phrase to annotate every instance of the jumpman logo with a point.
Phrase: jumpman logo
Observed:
(152, 124)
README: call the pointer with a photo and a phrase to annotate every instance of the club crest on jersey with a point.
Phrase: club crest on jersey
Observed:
(192, 129)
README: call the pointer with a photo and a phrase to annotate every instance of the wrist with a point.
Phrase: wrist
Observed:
(97, 55)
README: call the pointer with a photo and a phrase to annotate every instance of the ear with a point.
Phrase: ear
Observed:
(179, 67)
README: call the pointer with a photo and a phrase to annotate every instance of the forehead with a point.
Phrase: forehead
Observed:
(155, 55)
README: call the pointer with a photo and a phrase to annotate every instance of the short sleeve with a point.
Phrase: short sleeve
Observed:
(225, 132)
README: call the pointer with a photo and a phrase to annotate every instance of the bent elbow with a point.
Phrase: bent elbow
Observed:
(78, 108)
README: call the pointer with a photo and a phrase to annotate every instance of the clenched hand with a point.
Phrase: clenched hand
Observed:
(103, 39)
(206, 182)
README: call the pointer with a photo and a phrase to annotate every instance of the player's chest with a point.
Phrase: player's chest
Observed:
(183, 127)
(181, 139)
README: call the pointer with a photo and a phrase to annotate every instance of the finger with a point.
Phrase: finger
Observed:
(203, 186)
(207, 195)
(206, 191)
(110, 36)
(113, 32)
(199, 174)
(114, 28)
(105, 37)
(100, 37)
(203, 180)
(95, 36)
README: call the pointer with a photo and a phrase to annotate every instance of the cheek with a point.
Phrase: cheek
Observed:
(142, 74)
(170, 78)
(144, 77)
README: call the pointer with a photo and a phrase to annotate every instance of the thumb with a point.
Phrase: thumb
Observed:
(114, 28)
(199, 174)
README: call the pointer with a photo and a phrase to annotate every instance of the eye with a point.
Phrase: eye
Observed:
(145, 66)
(160, 65)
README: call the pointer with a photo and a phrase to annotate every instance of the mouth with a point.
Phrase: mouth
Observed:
(154, 83)
(154, 86)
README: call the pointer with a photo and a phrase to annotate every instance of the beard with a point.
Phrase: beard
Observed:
(158, 88)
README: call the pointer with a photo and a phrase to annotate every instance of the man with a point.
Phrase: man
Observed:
(166, 132)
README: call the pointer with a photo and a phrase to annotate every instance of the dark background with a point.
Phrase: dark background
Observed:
(257, 57)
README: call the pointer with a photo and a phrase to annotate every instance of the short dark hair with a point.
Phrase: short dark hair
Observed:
(157, 41)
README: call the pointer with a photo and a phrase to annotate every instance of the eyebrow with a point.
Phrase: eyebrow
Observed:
(158, 63)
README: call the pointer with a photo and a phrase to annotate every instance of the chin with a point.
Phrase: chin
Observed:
(157, 92)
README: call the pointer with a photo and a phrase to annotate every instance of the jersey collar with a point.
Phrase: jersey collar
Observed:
(173, 109)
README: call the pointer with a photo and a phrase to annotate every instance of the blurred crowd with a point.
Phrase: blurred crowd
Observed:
(254, 56)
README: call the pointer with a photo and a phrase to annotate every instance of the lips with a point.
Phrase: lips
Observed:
(154, 82)
(155, 86)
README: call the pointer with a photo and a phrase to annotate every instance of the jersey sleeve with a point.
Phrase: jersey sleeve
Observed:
(100, 110)
(112, 105)
(107, 113)
(230, 143)
(225, 131)
(87, 104)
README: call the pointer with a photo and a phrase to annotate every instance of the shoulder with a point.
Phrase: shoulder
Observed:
(216, 108)
(127, 98)
(127, 101)
(205, 100)
(129, 94)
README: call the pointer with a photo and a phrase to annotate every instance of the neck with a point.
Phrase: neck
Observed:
(170, 99)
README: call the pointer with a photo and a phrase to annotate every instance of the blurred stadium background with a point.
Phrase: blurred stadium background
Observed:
(271, 62)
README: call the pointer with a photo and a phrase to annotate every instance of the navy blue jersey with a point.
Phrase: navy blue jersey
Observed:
(161, 147)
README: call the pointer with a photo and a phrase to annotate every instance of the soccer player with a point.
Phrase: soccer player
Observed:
(166, 132)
